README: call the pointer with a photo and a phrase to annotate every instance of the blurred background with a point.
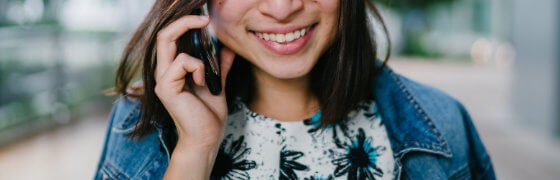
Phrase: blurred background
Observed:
(499, 57)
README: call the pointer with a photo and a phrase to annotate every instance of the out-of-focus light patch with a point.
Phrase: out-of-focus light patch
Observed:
(481, 51)
(485, 51)
(505, 55)
(29, 11)
(78, 54)
(34, 9)
(90, 15)
(15, 14)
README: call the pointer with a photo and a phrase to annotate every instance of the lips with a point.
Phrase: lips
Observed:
(285, 43)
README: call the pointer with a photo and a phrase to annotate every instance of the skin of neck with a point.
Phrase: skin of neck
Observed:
(283, 99)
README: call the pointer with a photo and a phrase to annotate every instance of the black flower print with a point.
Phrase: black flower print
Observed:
(230, 162)
(359, 159)
(317, 128)
(319, 178)
(288, 164)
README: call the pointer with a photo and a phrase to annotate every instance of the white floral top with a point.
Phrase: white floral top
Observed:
(258, 147)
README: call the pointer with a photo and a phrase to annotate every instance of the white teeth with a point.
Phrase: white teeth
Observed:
(281, 38)
(297, 34)
(290, 37)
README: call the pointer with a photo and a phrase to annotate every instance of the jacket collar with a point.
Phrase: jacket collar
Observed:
(407, 123)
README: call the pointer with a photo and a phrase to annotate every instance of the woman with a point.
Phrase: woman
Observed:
(304, 98)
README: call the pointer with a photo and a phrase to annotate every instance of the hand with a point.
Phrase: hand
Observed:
(198, 115)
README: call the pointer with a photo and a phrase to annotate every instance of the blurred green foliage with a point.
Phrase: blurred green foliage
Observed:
(40, 86)
(415, 23)
(405, 5)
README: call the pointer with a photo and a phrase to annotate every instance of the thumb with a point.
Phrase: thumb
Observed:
(226, 61)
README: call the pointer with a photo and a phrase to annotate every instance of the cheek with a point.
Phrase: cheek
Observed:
(227, 19)
(329, 6)
(329, 15)
(329, 11)
(230, 11)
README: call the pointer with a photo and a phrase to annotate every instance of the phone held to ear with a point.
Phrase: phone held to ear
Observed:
(202, 44)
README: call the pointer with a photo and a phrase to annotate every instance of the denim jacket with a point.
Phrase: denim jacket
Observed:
(431, 134)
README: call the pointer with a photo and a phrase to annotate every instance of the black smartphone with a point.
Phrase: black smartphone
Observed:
(204, 45)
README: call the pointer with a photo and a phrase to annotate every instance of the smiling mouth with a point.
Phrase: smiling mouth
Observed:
(285, 43)
(285, 37)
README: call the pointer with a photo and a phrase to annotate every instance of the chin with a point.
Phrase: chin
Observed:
(288, 71)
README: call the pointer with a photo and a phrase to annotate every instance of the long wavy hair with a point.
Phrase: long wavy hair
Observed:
(342, 78)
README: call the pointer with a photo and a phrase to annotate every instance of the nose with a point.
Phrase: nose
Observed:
(280, 10)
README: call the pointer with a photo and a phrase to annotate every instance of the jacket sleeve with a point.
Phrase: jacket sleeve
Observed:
(107, 134)
(480, 162)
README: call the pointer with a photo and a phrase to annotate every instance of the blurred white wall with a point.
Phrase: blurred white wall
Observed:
(536, 36)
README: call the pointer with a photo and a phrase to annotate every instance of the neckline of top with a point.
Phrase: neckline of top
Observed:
(315, 117)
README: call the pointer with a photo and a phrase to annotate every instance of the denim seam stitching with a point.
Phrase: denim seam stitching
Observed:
(425, 117)
(127, 118)
(144, 168)
(106, 172)
(113, 170)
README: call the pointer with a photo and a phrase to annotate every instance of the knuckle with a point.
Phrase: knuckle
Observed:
(190, 62)
(198, 65)
(182, 56)
(183, 61)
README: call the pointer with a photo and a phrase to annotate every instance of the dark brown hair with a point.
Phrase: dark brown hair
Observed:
(342, 78)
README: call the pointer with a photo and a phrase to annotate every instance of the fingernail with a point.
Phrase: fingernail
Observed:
(205, 18)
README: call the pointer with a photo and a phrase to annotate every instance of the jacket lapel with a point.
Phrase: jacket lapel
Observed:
(408, 126)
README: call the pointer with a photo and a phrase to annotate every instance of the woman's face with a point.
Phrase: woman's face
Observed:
(283, 38)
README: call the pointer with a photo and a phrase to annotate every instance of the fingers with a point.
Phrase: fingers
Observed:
(167, 37)
(174, 77)
(226, 59)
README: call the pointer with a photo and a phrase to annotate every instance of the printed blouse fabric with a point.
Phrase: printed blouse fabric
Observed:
(258, 147)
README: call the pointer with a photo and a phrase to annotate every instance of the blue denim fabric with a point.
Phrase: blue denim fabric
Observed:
(431, 134)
